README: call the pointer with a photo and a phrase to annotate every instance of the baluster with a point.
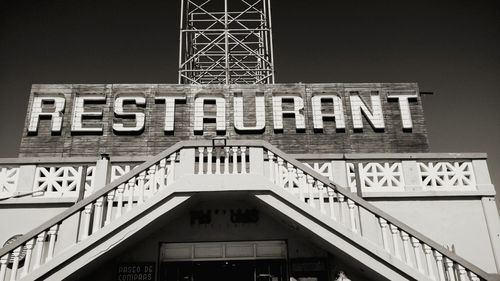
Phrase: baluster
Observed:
(416, 246)
(289, 168)
(98, 214)
(243, 150)
(162, 172)
(331, 202)
(352, 215)
(152, 179)
(120, 190)
(15, 263)
(321, 190)
(140, 181)
(473, 276)
(439, 265)
(171, 168)
(200, 160)
(40, 239)
(341, 199)
(302, 183)
(52, 241)
(279, 176)
(383, 227)
(428, 260)
(209, 160)
(3, 266)
(217, 161)
(395, 244)
(86, 221)
(235, 159)
(131, 184)
(462, 274)
(450, 270)
(226, 160)
(109, 207)
(310, 189)
(405, 237)
(270, 157)
(27, 259)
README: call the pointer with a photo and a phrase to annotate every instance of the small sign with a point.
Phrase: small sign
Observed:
(139, 271)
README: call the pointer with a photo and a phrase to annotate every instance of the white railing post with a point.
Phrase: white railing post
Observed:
(411, 176)
(321, 190)
(234, 149)
(395, 243)
(243, 150)
(226, 160)
(200, 160)
(428, 260)
(27, 259)
(162, 173)
(209, 160)
(310, 190)
(352, 215)
(140, 181)
(100, 173)
(383, 227)
(256, 155)
(217, 160)
(86, 221)
(302, 183)
(97, 214)
(449, 269)
(15, 263)
(186, 162)
(270, 158)
(26, 178)
(439, 265)
(171, 169)
(40, 239)
(3, 266)
(131, 186)
(109, 207)
(289, 176)
(52, 241)
(416, 247)
(405, 237)
(331, 203)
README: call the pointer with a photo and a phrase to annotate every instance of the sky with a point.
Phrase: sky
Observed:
(449, 48)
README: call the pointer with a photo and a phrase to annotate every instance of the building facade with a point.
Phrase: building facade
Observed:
(230, 176)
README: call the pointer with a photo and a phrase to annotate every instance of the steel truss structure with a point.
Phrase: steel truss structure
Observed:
(226, 42)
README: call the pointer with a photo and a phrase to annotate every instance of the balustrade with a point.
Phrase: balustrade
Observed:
(133, 187)
(222, 160)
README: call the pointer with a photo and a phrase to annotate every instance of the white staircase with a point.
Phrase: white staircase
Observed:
(155, 183)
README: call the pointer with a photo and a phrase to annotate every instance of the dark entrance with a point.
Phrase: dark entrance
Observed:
(226, 270)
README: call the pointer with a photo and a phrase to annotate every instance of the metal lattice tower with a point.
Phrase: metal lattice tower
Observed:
(226, 42)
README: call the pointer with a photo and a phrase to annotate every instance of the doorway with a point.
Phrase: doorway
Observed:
(229, 270)
(223, 261)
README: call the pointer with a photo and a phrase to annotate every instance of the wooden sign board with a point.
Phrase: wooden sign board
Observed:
(144, 119)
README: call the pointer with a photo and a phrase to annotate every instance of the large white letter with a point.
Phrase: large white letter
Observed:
(138, 116)
(374, 116)
(56, 116)
(170, 109)
(79, 113)
(404, 108)
(260, 113)
(318, 115)
(278, 112)
(200, 117)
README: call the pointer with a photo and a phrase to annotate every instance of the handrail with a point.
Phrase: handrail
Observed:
(379, 212)
(247, 143)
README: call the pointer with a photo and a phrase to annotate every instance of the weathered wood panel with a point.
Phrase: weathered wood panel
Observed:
(153, 139)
